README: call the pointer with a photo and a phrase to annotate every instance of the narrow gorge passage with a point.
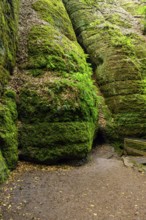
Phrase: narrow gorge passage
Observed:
(60, 110)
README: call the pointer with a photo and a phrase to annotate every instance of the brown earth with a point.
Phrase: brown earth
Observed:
(102, 189)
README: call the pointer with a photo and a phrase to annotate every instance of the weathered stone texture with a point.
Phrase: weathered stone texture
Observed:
(57, 102)
(8, 114)
(112, 34)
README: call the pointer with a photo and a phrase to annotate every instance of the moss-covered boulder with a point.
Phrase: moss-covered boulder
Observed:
(112, 33)
(57, 101)
(8, 113)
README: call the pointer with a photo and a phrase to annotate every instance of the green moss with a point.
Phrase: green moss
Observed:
(8, 113)
(8, 131)
(117, 50)
(57, 117)
(8, 32)
(55, 14)
(51, 142)
(50, 50)
(118, 20)
(60, 100)
(57, 102)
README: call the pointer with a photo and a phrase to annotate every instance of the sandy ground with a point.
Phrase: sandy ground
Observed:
(102, 189)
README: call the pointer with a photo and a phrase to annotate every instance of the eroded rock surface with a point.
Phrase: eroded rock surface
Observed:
(56, 98)
(112, 33)
(57, 102)
(8, 113)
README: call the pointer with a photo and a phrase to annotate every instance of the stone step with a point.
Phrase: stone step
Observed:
(135, 146)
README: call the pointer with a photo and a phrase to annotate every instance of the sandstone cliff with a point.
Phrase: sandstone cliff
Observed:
(49, 89)
(112, 33)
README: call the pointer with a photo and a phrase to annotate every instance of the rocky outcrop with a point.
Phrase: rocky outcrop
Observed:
(52, 86)
(8, 114)
(112, 33)
(57, 101)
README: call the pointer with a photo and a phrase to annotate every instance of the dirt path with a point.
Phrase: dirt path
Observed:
(102, 189)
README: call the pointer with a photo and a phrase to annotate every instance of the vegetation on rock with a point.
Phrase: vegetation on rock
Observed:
(57, 101)
(52, 89)
(114, 40)
(8, 113)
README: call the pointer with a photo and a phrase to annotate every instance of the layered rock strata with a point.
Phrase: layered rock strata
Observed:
(112, 33)
(56, 98)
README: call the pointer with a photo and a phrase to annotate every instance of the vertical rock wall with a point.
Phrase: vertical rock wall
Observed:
(57, 102)
(112, 34)
(56, 98)
(8, 113)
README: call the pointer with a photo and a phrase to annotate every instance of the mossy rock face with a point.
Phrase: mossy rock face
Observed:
(55, 14)
(112, 34)
(8, 32)
(51, 142)
(57, 101)
(8, 112)
(8, 39)
(49, 49)
(8, 129)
